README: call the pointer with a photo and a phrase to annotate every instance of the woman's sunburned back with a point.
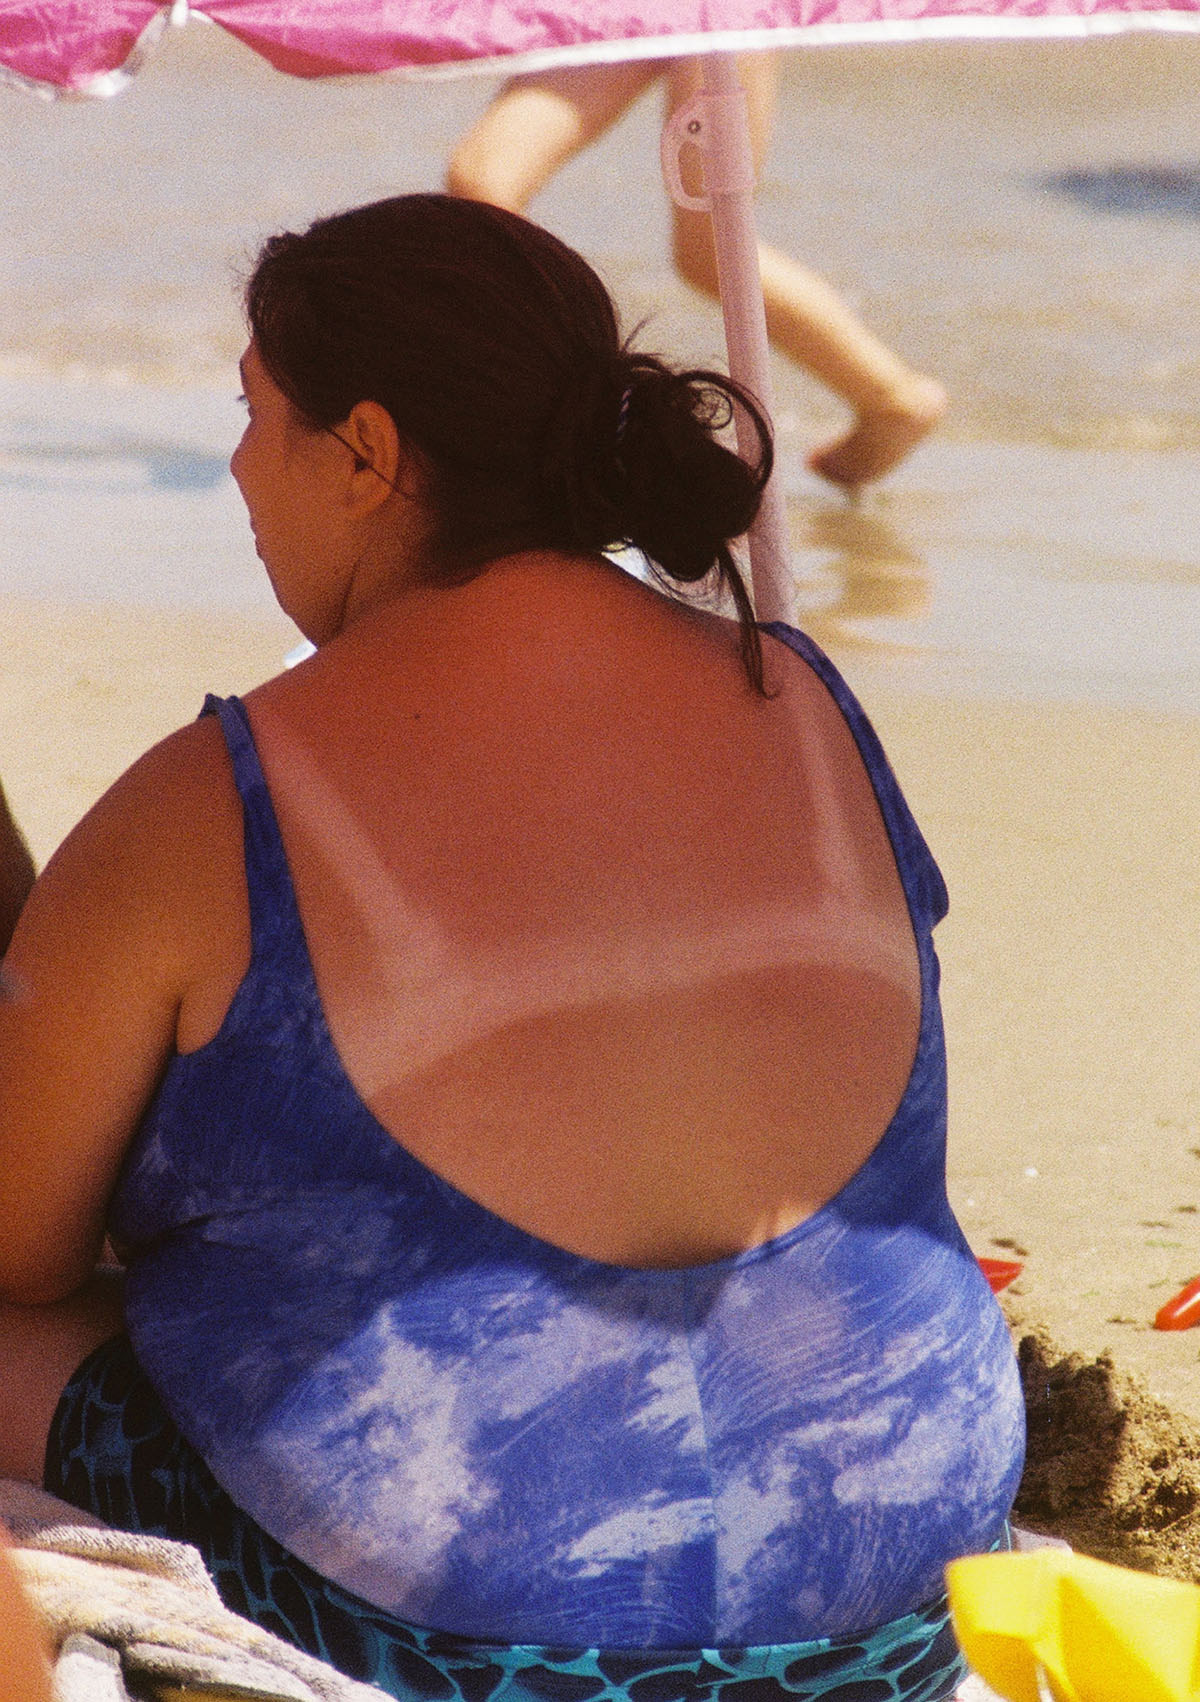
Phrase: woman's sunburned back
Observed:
(611, 942)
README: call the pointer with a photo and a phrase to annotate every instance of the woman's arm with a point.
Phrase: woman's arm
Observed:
(115, 937)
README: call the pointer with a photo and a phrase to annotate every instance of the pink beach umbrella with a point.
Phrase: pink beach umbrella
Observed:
(91, 48)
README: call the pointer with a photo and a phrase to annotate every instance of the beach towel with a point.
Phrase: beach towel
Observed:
(131, 1616)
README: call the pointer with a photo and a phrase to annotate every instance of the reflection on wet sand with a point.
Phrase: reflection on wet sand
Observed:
(1014, 570)
(854, 567)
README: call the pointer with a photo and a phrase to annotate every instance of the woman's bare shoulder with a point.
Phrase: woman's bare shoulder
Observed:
(152, 836)
(190, 763)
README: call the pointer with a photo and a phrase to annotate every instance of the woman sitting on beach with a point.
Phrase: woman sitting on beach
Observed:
(506, 1052)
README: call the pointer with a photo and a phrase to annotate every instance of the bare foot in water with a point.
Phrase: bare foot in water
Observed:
(881, 437)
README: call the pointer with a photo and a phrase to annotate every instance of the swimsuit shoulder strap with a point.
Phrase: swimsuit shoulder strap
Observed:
(275, 923)
(922, 879)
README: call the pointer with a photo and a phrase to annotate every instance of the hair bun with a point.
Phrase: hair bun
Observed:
(685, 493)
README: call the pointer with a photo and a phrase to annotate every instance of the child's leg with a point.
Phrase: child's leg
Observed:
(536, 124)
(810, 323)
(41, 1347)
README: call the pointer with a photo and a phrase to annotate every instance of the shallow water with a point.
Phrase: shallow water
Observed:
(1022, 219)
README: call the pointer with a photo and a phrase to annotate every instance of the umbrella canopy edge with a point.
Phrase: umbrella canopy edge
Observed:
(1184, 17)
(96, 85)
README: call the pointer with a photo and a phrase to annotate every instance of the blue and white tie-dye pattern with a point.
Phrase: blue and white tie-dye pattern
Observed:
(115, 1452)
(477, 1431)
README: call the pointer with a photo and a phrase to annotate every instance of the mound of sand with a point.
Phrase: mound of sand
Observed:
(1108, 1466)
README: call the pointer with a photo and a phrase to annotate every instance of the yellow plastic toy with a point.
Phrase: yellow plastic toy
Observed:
(1059, 1624)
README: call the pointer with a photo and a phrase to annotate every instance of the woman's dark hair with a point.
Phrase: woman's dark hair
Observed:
(496, 350)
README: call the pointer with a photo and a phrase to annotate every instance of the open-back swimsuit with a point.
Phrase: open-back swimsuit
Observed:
(471, 1441)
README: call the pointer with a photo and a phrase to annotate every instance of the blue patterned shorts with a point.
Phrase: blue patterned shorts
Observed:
(115, 1452)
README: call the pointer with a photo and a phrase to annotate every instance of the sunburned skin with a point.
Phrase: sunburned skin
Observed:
(560, 1030)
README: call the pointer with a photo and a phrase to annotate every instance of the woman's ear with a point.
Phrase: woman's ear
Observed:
(383, 462)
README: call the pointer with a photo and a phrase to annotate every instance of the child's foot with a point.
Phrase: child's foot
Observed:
(881, 437)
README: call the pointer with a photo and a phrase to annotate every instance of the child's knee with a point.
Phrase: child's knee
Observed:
(469, 174)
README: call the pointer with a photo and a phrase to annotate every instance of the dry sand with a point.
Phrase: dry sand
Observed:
(1069, 838)
(85, 690)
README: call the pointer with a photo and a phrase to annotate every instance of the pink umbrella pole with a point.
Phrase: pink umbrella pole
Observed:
(717, 122)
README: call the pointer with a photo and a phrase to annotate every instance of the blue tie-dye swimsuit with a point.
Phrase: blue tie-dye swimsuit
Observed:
(480, 1432)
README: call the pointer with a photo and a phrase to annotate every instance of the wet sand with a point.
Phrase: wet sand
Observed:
(1011, 571)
